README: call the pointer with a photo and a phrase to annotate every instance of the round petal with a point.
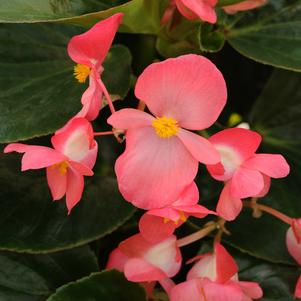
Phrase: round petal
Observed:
(244, 5)
(188, 88)
(153, 171)
(189, 196)
(251, 289)
(57, 182)
(75, 188)
(129, 119)
(200, 148)
(266, 188)
(293, 246)
(190, 290)
(274, 166)
(93, 45)
(117, 260)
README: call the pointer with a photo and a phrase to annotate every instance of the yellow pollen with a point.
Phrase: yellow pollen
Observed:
(62, 167)
(165, 127)
(203, 294)
(183, 218)
(166, 220)
(81, 72)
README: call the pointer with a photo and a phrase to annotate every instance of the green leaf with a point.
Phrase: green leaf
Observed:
(140, 16)
(26, 277)
(106, 285)
(274, 38)
(32, 222)
(37, 81)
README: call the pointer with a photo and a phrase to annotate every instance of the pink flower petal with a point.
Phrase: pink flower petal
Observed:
(251, 289)
(200, 148)
(193, 9)
(75, 139)
(90, 158)
(272, 165)
(139, 270)
(81, 168)
(57, 182)
(117, 260)
(129, 119)
(293, 246)
(188, 88)
(246, 183)
(228, 206)
(190, 290)
(75, 188)
(94, 44)
(244, 5)
(154, 229)
(153, 171)
(226, 266)
(266, 188)
(189, 196)
(35, 157)
(297, 292)
(167, 212)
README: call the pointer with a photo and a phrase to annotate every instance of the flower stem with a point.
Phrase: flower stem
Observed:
(103, 133)
(167, 284)
(197, 235)
(107, 95)
(259, 207)
(141, 106)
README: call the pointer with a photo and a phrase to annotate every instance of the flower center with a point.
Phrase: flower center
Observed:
(81, 72)
(62, 167)
(165, 127)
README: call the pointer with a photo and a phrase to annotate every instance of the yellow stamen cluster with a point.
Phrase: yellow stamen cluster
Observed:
(81, 72)
(182, 218)
(165, 127)
(62, 167)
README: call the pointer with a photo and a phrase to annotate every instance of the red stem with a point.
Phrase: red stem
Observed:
(103, 133)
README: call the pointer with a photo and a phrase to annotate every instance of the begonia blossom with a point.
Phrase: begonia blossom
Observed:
(161, 156)
(72, 157)
(192, 10)
(293, 244)
(157, 224)
(243, 6)
(245, 173)
(89, 50)
(143, 261)
(214, 278)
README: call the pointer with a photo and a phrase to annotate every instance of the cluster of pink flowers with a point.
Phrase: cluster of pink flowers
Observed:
(157, 170)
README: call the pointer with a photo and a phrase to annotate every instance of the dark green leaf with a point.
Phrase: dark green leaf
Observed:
(104, 286)
(37, 83)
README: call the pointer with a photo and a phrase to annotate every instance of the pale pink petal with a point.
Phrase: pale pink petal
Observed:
(91, 99)
(274, 166)
(266, 188)
(189, 196)
(293, 246)
(153, 171)
(94, 44)
(75, 139)
(90, 158)
(244, 5)
(200, 148)
(81, 168)
(168, 212)
(228, 206)
(193, 9)
(57, 182)
(195, 210)
(130, 118)
(251, 289)
(117, 260)
(135, 246)
(246, 183)
(154, 229)
(188, 88)
(297, 292)
(35, 157)
(226, 266)
(139, 270)
(75, 188)
(190, 290)
(296, 226)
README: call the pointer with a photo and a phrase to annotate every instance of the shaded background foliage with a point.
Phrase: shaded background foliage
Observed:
(43, 249)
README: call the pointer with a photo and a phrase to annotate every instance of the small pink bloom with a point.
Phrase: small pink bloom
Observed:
(143, 261)
(245, 173)
(214, 278)
(161, 157)
(243, 6)
(72, 158)
(89, 50)
(157, 224)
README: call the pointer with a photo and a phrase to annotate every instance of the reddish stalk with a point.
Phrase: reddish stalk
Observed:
(141, 106)
(103, 133)
(107, 96)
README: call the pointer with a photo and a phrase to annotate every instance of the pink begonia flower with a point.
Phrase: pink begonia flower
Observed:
(214, 278)
(72, 157)
(89, 50)
(245, 173)
(192, 10)
(293, 244)
(157, 224)
(161, 157)
(243, 6)
(145, 262)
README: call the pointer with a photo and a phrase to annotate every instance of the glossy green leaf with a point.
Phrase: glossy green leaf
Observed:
(26, 277)
(32, 222)
(106, 285)
(274, 38)
(37, 81)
